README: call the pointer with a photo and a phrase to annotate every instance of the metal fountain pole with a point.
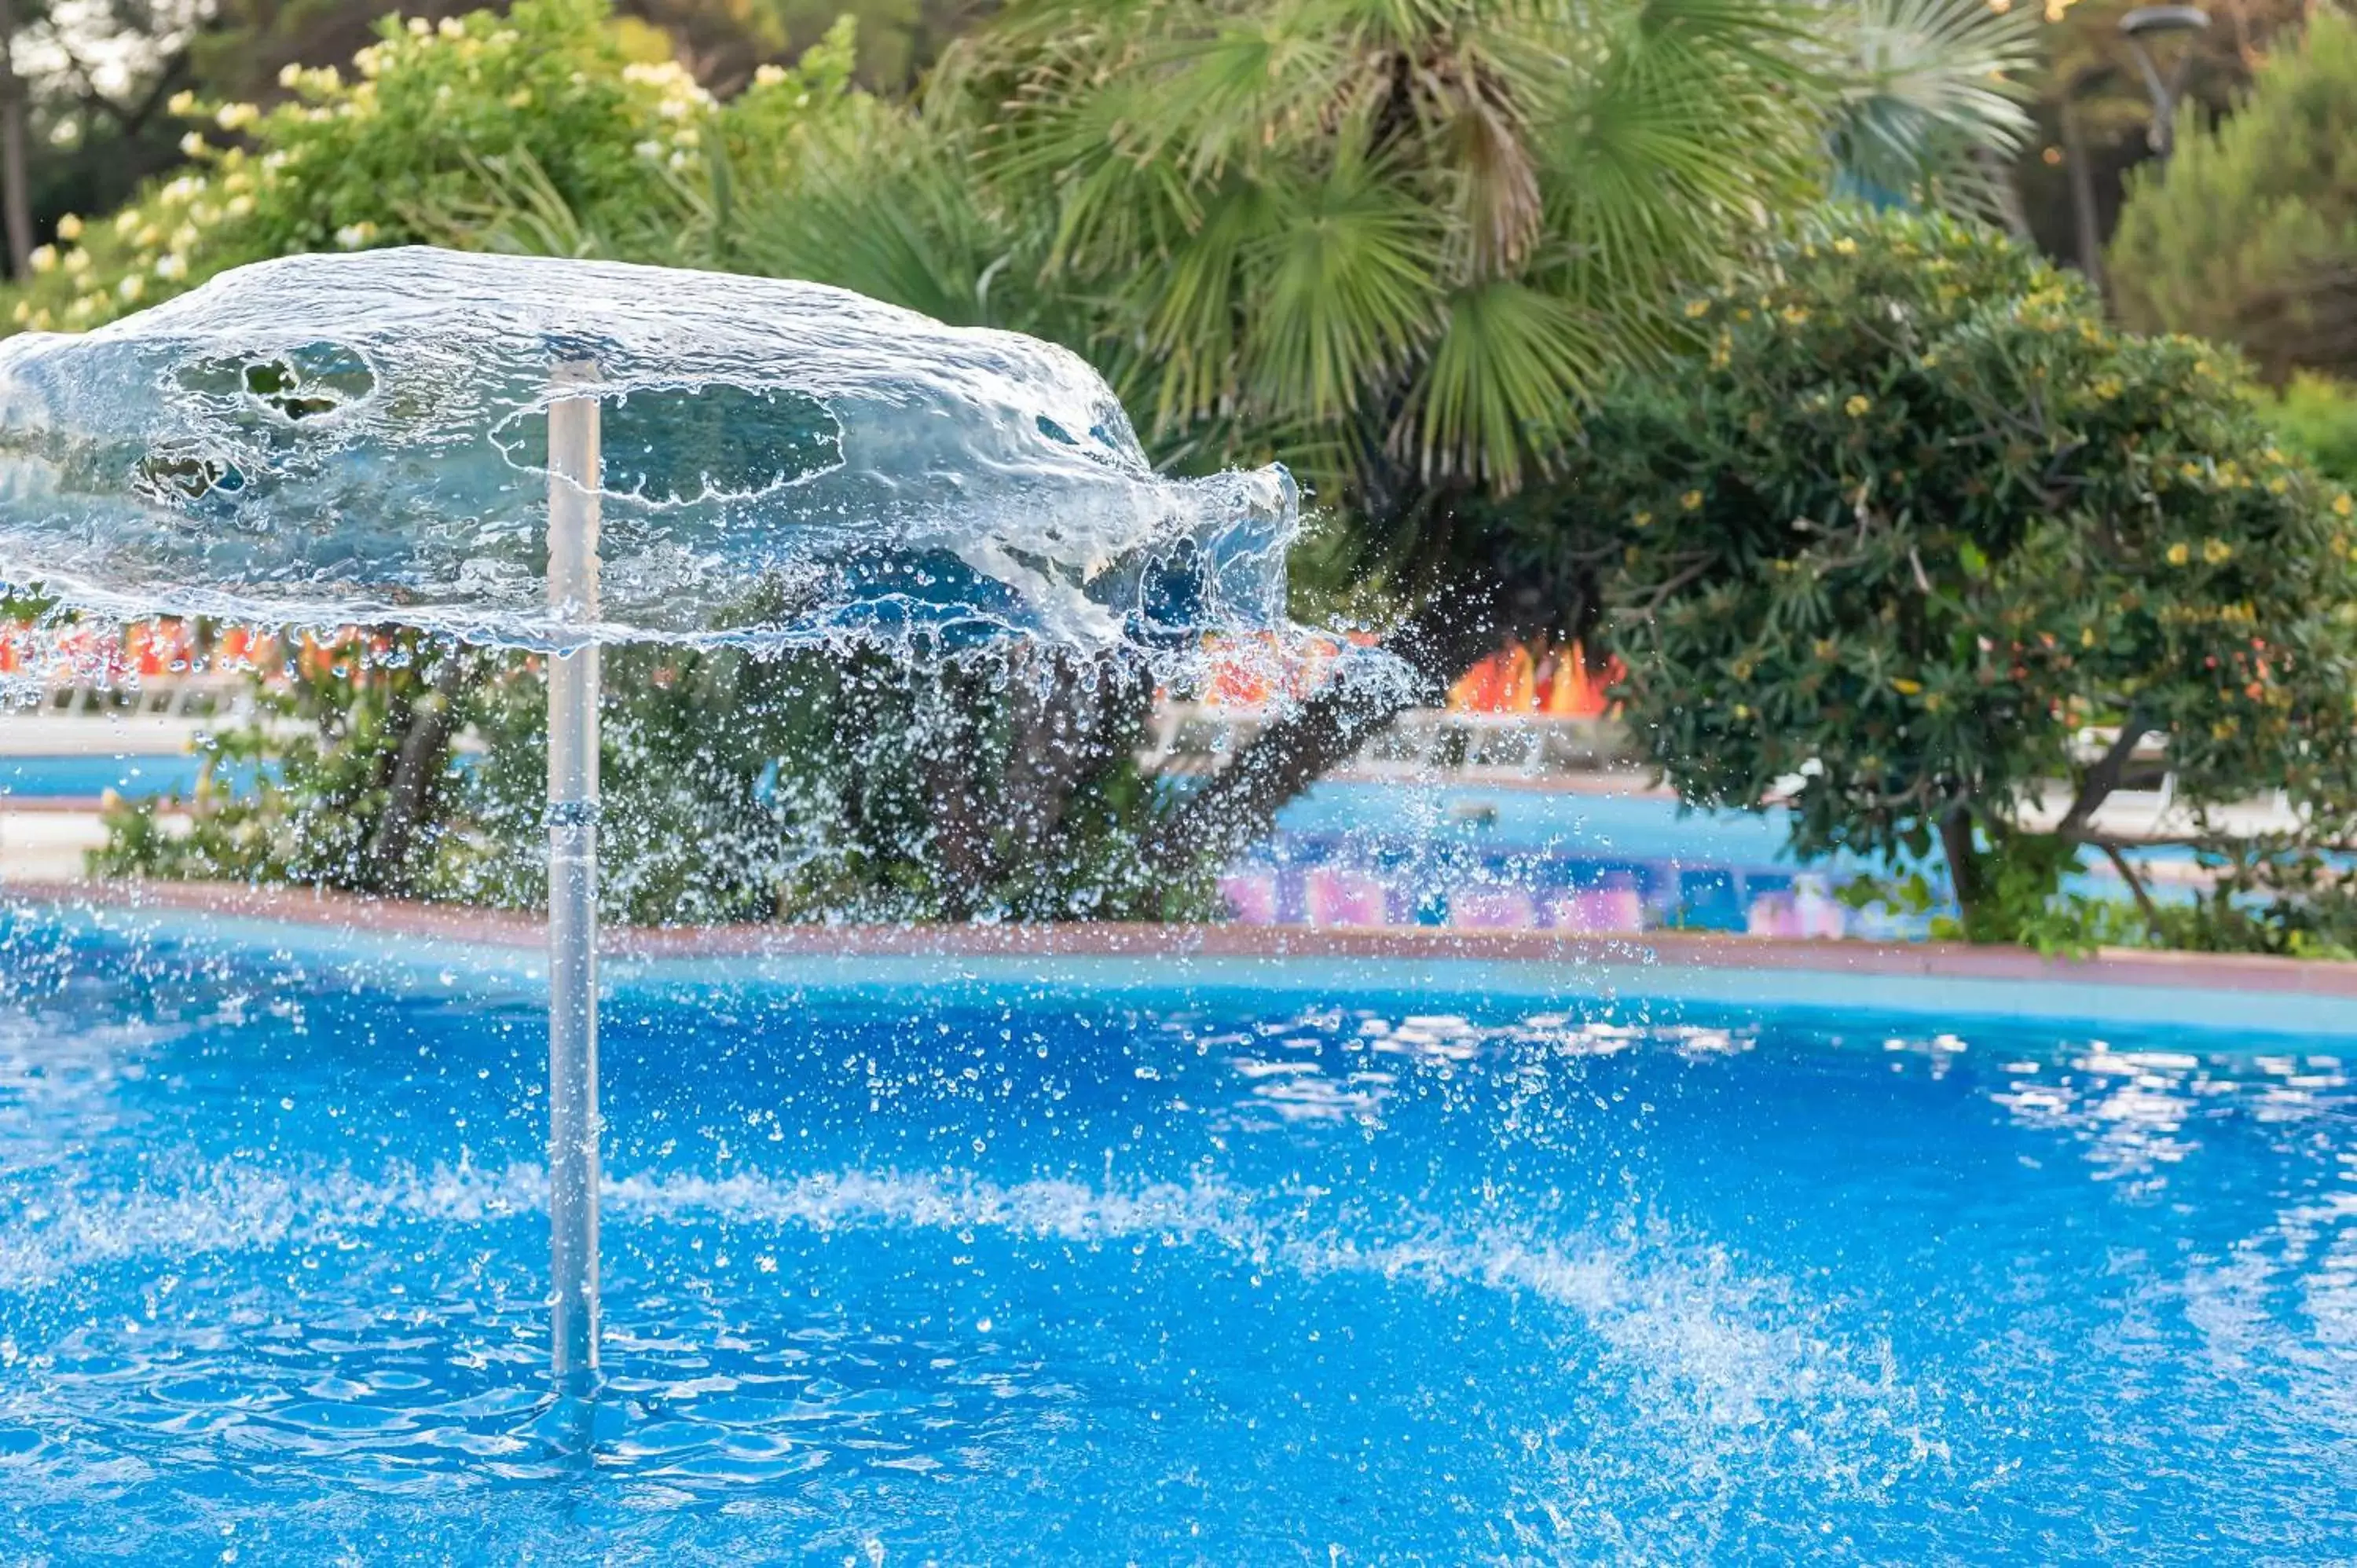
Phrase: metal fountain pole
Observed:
(573, 476)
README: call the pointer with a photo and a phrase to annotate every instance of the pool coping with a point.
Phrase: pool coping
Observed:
(2247, 1004)
(2117, 967)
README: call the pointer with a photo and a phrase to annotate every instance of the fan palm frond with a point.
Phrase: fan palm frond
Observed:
(1420, 227)
(1928, 97)
(1502, 389)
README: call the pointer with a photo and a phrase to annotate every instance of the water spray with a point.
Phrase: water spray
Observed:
(331, 440)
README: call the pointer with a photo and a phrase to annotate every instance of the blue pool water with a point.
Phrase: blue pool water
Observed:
(1429, 845)
(996, 1271)
(135, 775)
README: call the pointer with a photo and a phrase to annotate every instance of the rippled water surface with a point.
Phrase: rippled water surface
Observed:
(988, 1272)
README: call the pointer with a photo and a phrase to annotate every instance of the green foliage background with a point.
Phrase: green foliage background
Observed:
(432, 126)
(2318, 417)
(2249, 234)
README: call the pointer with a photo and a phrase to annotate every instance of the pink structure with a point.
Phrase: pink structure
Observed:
(1492, 909)
(1339, 897)
(1804, 911)
(1252, 894)
(1609, 911)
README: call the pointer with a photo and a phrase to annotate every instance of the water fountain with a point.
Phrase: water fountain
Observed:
(1084, 1247)
(364, 439)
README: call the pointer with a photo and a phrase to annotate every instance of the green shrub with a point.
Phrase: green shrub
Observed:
(2318, 417)
(2248, 235)
(1920, 536)
(830, 788)
(345, 737)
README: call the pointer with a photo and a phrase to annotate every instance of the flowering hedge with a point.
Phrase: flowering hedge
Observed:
(1917, 516)
(432, 124)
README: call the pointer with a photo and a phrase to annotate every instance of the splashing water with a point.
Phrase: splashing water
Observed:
(341, 438)
(979, 1265)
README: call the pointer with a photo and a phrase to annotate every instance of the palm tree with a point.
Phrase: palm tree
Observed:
(1392, 239)
(1396, 243)
(1393, 243)
(1926, 101)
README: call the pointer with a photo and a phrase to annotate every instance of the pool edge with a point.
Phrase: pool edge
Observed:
(2201, 990)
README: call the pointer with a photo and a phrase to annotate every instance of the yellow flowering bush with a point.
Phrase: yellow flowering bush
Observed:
(430, 124)
(1919, 519)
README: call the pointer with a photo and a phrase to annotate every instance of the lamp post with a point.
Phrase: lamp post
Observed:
(2140, 26)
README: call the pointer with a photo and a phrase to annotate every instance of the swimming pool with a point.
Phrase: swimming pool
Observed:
(136, 775)
(1178, 1268)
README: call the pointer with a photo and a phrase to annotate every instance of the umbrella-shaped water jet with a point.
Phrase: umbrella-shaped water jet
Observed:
(559, 454)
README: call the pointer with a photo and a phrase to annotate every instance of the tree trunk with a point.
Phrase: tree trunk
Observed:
(1964, 862)
(1073, 722)
(416, 766)
(958, 815)
(2082, 196)
(1056, 731)
(2103, 778)
(15, 177)
(1239, 804)
(2144, 906)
